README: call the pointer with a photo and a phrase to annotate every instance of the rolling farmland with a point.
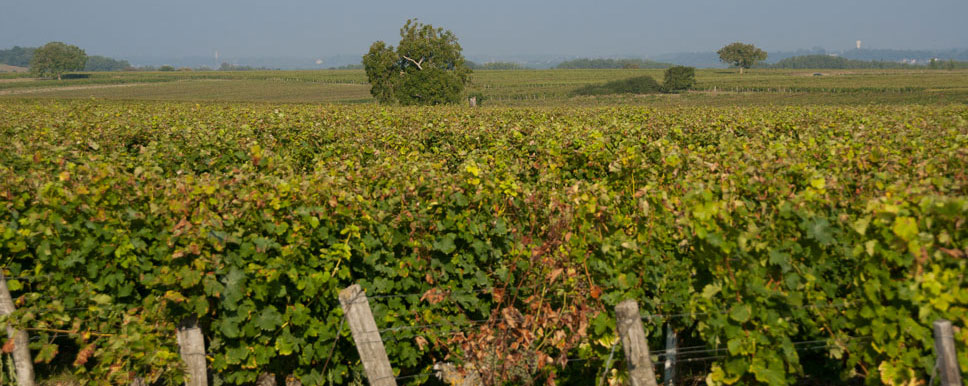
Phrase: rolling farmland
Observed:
(518, 88)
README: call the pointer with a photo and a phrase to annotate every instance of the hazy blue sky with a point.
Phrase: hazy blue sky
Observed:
(306, 28)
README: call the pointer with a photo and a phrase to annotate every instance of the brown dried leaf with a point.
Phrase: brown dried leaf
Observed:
(953, 252)
(498, 295)
(84, 355)
(542, 358)
(596, 292)
(8, 347)
(554, 275)
(512, 317)
(434, 296)
(421, 342)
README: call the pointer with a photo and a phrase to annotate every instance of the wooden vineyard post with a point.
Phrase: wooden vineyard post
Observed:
(21, 352)
(266, 379)
(356, 309)
(634, 343)
(191, 344)
(944, 347)
(670, 356)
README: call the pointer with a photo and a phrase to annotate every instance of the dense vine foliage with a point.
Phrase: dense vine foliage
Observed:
(767, 226)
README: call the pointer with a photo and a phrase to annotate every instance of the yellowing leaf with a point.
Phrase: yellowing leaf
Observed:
(14, 285)
(818, 183)
(905, 227)
(861, 225)
(869, 247)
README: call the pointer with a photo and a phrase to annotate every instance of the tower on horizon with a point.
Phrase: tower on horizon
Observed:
(858, 44)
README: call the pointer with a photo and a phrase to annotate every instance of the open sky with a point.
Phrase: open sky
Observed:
(310, 28)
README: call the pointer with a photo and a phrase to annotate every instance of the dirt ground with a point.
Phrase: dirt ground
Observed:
(9, 68)
(65, 88)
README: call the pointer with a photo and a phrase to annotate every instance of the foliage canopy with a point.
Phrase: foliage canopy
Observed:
(741, 55)
(55, 59)
(426, 68)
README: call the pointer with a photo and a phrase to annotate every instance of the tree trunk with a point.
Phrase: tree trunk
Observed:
(741, 70)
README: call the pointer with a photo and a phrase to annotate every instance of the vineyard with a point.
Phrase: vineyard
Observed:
(528, 88)
(496, 239)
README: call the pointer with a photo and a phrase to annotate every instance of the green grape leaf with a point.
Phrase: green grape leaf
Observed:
(269, 319)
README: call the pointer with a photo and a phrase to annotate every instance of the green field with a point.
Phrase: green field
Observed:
(517, 88)
(793, 229)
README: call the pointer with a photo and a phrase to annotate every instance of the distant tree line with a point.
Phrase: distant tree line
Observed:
(495, 66)
(21, 57)
(896, 55)
(358, 66)
(586, 63)
(235, 67)
(837, 62)
(104, 63)
(949, 64)
(17, 56)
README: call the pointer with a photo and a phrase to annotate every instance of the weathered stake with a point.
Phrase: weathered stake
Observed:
(634, 343)
(21, 352)
(670, 356)
(266, 379)
(192, 347)
(944, 347)
(356, 309)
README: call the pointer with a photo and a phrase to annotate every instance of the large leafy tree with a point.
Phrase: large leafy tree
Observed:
(55, 59)
(426, 68)
(741, 55)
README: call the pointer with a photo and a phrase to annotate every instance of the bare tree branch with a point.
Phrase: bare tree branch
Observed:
(415, 62)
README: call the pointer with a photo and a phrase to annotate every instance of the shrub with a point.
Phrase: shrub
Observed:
(679, 78)
(638, 85)
(166, 68)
